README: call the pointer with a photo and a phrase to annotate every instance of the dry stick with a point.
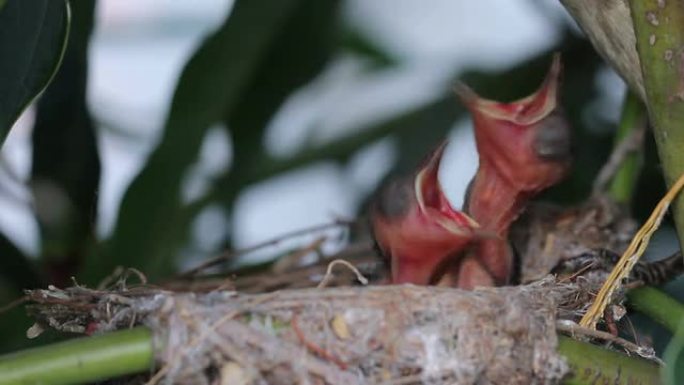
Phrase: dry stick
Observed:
(630, 257)
(633, 330)
(13, 304)
(617, 158)
(328, 273)
(225, 256)
(265, 281)
(292, 260)
(360, 253)
(575, 329)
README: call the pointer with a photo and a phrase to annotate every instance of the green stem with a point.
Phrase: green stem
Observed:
(591, 364)
(80, 360)
(633, 118)
(659, 306)
(673, 371)
(659, 30)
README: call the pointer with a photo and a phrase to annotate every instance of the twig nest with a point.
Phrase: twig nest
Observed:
(344, 335)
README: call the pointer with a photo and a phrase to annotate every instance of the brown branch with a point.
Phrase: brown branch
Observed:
(575, 329)
(229, 255)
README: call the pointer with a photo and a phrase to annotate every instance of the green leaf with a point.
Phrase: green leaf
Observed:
(359, 43)
(438, 115)
(673, 371)
(342, 148)
(296, 56)
(17, 271)
(211, 84)
(66, 166)
(33, 37)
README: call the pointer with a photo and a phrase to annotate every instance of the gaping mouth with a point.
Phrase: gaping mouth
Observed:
(522, 112)
(432, 201)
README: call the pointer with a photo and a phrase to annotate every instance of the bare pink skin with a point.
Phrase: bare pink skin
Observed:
(523, 148)
(416, 227)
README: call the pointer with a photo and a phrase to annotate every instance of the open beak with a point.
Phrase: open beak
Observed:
(533, 127)
(433, 202)
(522, 112)
(527, 141)
(417, 228)
(524, 147)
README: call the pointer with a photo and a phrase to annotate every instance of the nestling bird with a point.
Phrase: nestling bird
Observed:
(416, 227)
(523, 146)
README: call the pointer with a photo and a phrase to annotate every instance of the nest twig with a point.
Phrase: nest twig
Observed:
(352, 335)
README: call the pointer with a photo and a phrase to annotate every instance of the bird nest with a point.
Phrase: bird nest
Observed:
(344, 334)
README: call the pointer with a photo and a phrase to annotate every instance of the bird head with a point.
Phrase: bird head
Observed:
(523, 148)
(416, 227)
(527, 141)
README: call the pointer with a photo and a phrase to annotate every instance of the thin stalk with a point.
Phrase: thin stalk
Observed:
(650, 301)
(658, 306)
(673, 372)
(659, 30)
(591, 364)
(633, 118)
(80, 360)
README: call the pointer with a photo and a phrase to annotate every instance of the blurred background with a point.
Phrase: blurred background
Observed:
(175, 130)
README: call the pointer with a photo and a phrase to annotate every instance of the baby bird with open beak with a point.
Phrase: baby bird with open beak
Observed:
(523, 147)
(416, 227)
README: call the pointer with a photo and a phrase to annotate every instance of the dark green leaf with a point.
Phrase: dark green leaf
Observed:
(342, 148)
(66, 166)
(424, 126)
(296, 56)
(362, 45)
(674, 359)
(211, 84)
(33, 36)
(16, 269)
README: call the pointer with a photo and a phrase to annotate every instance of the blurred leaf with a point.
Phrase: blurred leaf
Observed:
(417, 141)
(16, 269)
(360, 44)
(33, 34)
(673, 371)
(337, 150)
(296, 56)
(17, 272)
(580, 65)
(66, 166)
(424, 126)
(210, 86)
